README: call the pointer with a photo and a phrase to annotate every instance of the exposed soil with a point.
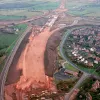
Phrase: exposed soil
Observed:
(14, 72)
(29, 71)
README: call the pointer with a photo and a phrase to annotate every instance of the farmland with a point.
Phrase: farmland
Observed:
(18, 14)
(83, 9)
(25, 10)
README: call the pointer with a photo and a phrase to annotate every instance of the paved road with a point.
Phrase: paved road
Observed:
(62, 43)
(62, 54)
(4, 73)
(84, 76)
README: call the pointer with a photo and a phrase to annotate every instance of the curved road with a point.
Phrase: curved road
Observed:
(85, 74)
(62, 43)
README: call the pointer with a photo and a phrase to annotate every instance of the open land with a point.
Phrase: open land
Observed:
(40, 60)
(25, 10)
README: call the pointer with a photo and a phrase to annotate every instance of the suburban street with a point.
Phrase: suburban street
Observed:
(85, 74)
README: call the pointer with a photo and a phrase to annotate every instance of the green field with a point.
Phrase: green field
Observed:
(18, 14)
(11, 17)
(70, 67)
(47, 6)
(89, 12)
(36, 8)
(83, 9)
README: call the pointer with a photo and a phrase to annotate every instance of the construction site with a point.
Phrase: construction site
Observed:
(29, 77)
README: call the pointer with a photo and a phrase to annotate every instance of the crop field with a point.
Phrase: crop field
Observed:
(36, 5)
(47, 6)
(7, 39)
(25, 10)
(86, 87)
(10, 17)
(18, 14)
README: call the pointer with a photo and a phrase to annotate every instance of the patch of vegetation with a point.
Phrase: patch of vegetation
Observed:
(47, 6)
(11, 17)
(23, 10)
(85, 88)
(65, 86)
(70, 67)
(36, 5)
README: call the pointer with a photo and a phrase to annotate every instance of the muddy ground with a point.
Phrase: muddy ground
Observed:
(51, 53)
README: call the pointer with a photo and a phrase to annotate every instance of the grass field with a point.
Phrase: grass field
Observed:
(33, 5)
(10, 17)
(18, 14)
(36, 8)
(83, 9)
(47, 6)
(70, 67)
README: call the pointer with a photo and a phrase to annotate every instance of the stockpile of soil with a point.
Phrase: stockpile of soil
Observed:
(50, 55)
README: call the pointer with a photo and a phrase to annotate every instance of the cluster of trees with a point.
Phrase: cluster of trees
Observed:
(65, 86)
(85, 89)
(96, 95)
(2, 50)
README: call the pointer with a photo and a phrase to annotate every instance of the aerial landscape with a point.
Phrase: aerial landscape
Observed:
(49, 49)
